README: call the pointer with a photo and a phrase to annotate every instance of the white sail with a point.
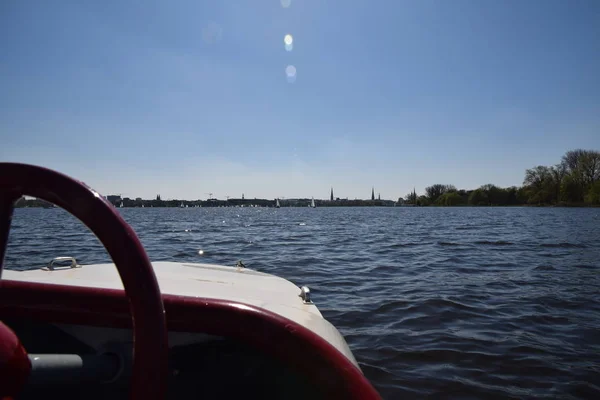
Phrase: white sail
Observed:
(312, 203)
(277, 203)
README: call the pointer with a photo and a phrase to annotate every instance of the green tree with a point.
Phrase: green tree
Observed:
(536, 177)
(511, 196)
(557, 175)
(593, 195)
(540, 184)
(523, 195)
(572, 159)
(574, 180)
(435, 191)
(464, 195)
(494, 195)
(423, 201)
(450, 199)
(583, 166)
(571, 189)
(590, 167)
(478, 198)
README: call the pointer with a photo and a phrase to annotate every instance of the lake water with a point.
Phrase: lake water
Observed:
(441, 302)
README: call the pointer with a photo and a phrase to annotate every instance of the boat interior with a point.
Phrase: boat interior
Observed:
(212, 368)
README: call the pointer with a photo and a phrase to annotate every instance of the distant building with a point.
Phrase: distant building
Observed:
(138, 199)
(331, 196)
(412, 197)
(373, 193)
(113, 198)
(378, 196)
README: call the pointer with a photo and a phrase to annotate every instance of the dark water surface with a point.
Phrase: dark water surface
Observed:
(439, 302)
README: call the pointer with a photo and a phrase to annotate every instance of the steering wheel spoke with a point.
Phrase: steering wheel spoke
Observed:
(7, 201)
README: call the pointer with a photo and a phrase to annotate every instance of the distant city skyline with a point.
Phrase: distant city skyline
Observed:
(189, 98)
(331, 197)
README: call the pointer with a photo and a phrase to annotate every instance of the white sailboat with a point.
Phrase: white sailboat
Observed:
(277, 203)
(121, 205)
(312, 203)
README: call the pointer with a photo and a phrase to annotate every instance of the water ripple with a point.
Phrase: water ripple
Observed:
(504, 306)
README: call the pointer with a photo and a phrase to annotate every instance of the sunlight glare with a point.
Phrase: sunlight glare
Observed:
(289, 42)
(286, 3)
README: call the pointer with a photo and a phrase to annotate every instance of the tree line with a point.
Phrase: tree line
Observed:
(575, 181)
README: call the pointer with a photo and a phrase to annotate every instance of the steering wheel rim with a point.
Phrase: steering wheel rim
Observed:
(150, 365)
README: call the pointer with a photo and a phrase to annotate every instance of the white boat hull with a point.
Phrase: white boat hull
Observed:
(196, 280)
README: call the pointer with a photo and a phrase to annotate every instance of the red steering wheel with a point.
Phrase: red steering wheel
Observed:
(150, 365)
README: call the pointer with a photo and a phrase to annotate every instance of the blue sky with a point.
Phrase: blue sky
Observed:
(183, 98)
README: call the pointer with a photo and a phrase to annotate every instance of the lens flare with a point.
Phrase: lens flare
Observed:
(288, 39)
(290, 72)
(286, 3)
(289, 47)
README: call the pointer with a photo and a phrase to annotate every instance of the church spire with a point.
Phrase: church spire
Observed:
(373, 193)
(331, 197)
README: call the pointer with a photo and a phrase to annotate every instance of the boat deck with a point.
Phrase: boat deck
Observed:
(196, 280)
